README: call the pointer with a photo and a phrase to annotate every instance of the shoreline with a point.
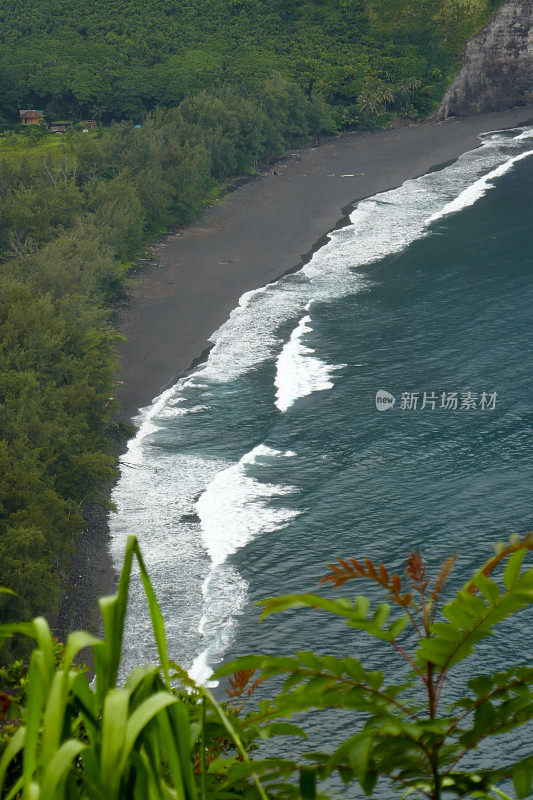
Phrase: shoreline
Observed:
(262, 229)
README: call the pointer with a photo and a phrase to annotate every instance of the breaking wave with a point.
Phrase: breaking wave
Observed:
(298, 371)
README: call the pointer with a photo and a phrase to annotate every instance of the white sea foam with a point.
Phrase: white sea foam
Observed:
(379, 226)
(191, 508)
(234, 509)
(475, 191)
(147, 426)
(225, 594)
(527, 134)
(298, 371)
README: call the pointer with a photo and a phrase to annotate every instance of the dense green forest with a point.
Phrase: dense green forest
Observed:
(118, 59)
(220, 86)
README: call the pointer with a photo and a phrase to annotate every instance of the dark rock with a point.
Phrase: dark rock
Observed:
(192, 517)
(497, 71)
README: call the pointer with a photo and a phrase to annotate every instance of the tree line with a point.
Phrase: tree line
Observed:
(119, 59)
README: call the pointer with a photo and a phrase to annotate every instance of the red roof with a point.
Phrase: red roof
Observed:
(30, 113)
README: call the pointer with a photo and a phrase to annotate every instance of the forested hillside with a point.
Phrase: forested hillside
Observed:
(118, 59)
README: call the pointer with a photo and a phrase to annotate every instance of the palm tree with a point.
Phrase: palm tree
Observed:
(370, 102)
(375, 99)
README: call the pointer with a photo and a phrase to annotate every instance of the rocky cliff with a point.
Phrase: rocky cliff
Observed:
(497, 71)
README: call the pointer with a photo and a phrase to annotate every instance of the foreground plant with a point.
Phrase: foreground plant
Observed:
(405, 732)
(143, 739)
(70, 739)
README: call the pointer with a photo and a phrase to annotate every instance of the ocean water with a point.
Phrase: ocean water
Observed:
(272, 457)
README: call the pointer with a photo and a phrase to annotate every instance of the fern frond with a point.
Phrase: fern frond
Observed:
(350, 569)
(241, 687)
(442, 577)
(502, 552)
(416, 570)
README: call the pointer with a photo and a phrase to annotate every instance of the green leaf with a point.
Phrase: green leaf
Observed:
(54, 716)
(156, 617)
(309, 659)
(269, 665)
(14, 746)
(512, 570)
(114, 722)
(142, 715)
(281, 729)
(398, 626)
(356, 751)
(381, 614)
(234, 736)
(76, 641)
(484, 717)
(59, 765)
(481, 685)
(489, 589)
(359, 755)
(307, 784)
(522, 775)
(470, 618)
(361, 605)
(34, 705)
(353, 668)
(174, 758)
(354, 615)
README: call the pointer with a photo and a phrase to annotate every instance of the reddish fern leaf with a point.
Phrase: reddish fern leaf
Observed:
(442, 577)
(371, 570)
(344, 571)
(396, 584)
(416, 571)
(239, 682)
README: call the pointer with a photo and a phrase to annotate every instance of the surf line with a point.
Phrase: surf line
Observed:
(233, 510)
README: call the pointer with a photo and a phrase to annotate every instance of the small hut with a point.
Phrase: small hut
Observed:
(59, 127)
(30, 116)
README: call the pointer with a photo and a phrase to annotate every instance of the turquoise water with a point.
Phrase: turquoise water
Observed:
(272, 458)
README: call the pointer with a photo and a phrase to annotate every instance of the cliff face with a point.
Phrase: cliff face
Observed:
(497, 71)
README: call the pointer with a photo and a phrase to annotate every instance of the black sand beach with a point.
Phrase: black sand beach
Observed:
(261, 230)
(258, 232)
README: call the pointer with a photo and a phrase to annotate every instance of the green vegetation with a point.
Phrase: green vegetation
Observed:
(71, 223)
(33, 146)
(116, 59)
(144, 738)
